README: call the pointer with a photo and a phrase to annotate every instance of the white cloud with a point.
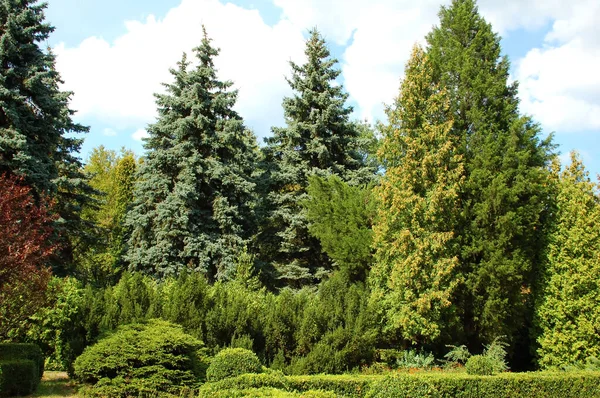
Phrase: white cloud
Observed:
(109, 132)
(116, 81)
(560, 83)
(139, 135)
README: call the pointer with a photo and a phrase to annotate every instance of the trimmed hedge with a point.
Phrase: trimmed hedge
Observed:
(11, 351)
(429, 385)
(509, 385)
(19, 377)
(232, 362)
(266, 392)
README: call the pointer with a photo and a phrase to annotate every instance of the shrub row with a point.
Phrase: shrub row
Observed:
(430, 385)
(21, 368)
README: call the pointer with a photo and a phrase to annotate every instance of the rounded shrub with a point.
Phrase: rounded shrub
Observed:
(480, 365)
(137, 359)
(232, 362)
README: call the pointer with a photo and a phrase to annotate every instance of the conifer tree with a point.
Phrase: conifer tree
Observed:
(320, 140)
(193, 206)
(36, 125)
(112, 174)
(417, 251)
(505, 195)
(567, 311)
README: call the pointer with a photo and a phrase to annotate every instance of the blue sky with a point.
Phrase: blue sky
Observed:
(114, 55)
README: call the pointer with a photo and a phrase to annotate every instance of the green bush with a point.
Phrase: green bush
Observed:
(19, 377)
(480, 365)
(266, 392)
(232, 362)
(506, 385)
(151, 357)
(11, 351)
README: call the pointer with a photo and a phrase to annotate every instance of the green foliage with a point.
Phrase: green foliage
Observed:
(18, 377)
(516, 385)
(142, 358)
(52, 326)
(505, 200)
(318, 139)
(412, 359)
(112, 175)
(31, 352)
(414, 275)
(232, 362)
(194, 194)
(37, 134)
(567, 310)
(458, 354)
(480, 365)
(340, 216)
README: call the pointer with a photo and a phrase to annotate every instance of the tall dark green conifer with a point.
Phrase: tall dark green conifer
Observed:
(36, 128)
(505, 194)
(193, 206)
(319, 140)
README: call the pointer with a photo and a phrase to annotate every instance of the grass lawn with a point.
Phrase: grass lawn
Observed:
(56, 384)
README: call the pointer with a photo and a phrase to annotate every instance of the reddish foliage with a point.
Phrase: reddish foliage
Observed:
(25, 246)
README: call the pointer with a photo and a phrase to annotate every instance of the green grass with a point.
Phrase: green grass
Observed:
(56, 384)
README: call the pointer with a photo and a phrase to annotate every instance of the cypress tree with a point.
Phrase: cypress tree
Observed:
(320, 140)
(193, 206)
(567, 311)
(36, 126)
(505, 196)
(417, 250)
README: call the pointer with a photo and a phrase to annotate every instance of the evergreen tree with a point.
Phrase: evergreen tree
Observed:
(341, 216)
(505, 196)
(319, 139)
(36, 126)
(193, 206)
(113, 176)
(416, 247)
(567, 312)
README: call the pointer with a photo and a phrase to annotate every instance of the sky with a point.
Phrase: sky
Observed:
(114, 55)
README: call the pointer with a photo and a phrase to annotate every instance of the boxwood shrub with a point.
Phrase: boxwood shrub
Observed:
(140, 359)
(10, 351)
(232, 362)
(19, 377)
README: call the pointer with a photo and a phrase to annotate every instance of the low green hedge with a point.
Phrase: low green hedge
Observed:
(507, 385)
(426, 385)
(19, 377)
(10, 351)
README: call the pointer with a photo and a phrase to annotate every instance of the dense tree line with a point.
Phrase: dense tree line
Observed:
(450, 223)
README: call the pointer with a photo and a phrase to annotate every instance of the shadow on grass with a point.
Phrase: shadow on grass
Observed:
(56, 384)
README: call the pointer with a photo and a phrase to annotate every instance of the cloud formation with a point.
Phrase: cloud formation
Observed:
(116, 81)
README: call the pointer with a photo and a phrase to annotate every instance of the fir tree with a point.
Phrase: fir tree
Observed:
(193, 206)
(414, 235)
(36, 128)
(567, 312)
(320, 140)
(505, 196)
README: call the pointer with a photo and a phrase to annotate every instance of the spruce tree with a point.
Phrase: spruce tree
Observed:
(36, 126)
(505, 196)
(193, 206)
(567, 311)
(413, 277)
(320, 140)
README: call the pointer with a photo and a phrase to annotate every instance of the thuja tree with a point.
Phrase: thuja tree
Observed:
(36, 128)
(414, 275)
(319, 139)
(505, 195)
(193, 206)
(567, 310)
